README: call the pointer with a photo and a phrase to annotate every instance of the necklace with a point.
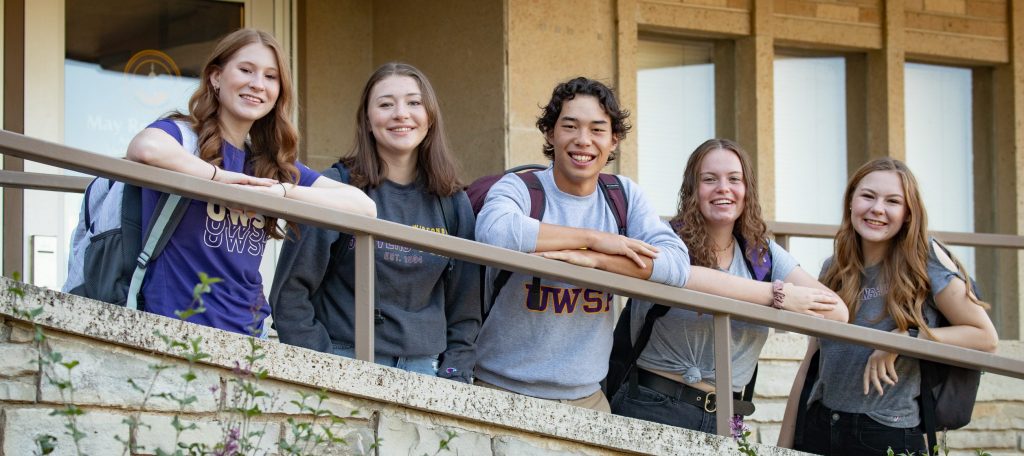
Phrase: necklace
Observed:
(732, 243)
(725, 255)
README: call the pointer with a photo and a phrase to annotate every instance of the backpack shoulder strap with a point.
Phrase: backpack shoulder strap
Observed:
(168, 213)
(805, 395)
(615, 195)
(344, 175)
(450, 215)
(536, 190)
(759, 271)
(656, 311)
(338, 246)
(85, 207)
(927, 403)
(451, 225)
(537, 207)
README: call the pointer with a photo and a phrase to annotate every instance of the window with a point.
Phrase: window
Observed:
(810, 148)
(939, 147)
(675, 113)
(128, 62)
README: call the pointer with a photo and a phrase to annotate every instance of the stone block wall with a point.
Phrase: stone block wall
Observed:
(408, 414)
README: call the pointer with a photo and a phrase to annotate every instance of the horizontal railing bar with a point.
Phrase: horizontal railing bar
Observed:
(813, 230)
(191, 187)
(43, 181)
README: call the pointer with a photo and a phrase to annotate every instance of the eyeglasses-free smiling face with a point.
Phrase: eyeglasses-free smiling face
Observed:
(878, 211)
(721, 188)
(582, 140)
(248, 85)
(397, 116)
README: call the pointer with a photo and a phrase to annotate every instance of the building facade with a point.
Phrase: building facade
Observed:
(811, 88)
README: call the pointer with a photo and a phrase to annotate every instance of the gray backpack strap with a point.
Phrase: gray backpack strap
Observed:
(168, 213)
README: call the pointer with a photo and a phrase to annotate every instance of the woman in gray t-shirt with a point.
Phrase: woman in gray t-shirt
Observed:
(720, 221)
(893, 279)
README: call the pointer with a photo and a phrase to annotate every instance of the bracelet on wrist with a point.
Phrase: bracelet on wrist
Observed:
(214, 176)
(778, 294)
(283, 189)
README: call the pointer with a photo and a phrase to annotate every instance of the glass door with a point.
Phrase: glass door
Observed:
(99, 72)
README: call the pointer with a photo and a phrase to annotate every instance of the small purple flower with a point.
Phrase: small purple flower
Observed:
(231, 444)
(737, 427)
(239, 370)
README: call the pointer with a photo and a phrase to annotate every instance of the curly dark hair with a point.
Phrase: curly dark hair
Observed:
(583, 86)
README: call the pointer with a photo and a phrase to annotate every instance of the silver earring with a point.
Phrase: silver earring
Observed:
(216, 90)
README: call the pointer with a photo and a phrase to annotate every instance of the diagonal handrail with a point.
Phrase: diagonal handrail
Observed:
(813, 230)
(367, 229)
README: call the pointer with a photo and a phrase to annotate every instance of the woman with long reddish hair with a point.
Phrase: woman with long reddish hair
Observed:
(239, 119)
(719, 219)
(896, 278)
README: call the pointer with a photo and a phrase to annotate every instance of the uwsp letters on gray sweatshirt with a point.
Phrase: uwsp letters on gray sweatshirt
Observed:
(558, 348)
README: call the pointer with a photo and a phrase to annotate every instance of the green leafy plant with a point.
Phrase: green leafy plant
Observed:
(48, 363)
(246, 400)
(443, 445)
(741, 433)
(322, 432)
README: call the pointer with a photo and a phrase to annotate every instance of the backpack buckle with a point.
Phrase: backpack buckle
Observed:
(143, 260)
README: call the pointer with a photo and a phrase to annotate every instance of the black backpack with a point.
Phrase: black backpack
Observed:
(948, 392)
(625, 353)
(110, 253)
(611, 188)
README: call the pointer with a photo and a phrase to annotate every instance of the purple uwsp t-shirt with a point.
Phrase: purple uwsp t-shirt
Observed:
(222, 243)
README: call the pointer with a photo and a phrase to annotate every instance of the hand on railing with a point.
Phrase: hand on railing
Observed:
(614, 244)
(582, 258)
(231, 177)
(810, 301)
(881, 368)
(275, 189)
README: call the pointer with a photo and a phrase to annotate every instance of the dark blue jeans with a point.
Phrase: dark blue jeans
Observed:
(833, 433)
(653, 406)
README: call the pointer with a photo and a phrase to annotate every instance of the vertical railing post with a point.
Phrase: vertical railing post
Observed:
(723, 373)
(782, 240)
(364, 281)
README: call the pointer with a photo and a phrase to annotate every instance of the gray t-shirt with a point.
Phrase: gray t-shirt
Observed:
(840, 384)
(683, 340)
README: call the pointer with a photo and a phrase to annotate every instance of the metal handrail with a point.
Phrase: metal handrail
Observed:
(43, 181)
(367, 229)
(785, 230)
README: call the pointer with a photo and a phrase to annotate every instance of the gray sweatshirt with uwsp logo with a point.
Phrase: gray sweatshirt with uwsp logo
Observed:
(558, 348)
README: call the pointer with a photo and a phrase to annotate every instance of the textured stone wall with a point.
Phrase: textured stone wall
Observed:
(407, 413)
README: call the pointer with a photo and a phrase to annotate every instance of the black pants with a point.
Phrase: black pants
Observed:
(835, 433)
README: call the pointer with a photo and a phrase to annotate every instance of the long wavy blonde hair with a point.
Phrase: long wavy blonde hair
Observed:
(689, 222)
(904, 267)
(273, 140)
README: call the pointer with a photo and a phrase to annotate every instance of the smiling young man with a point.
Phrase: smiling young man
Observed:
(557, 348)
